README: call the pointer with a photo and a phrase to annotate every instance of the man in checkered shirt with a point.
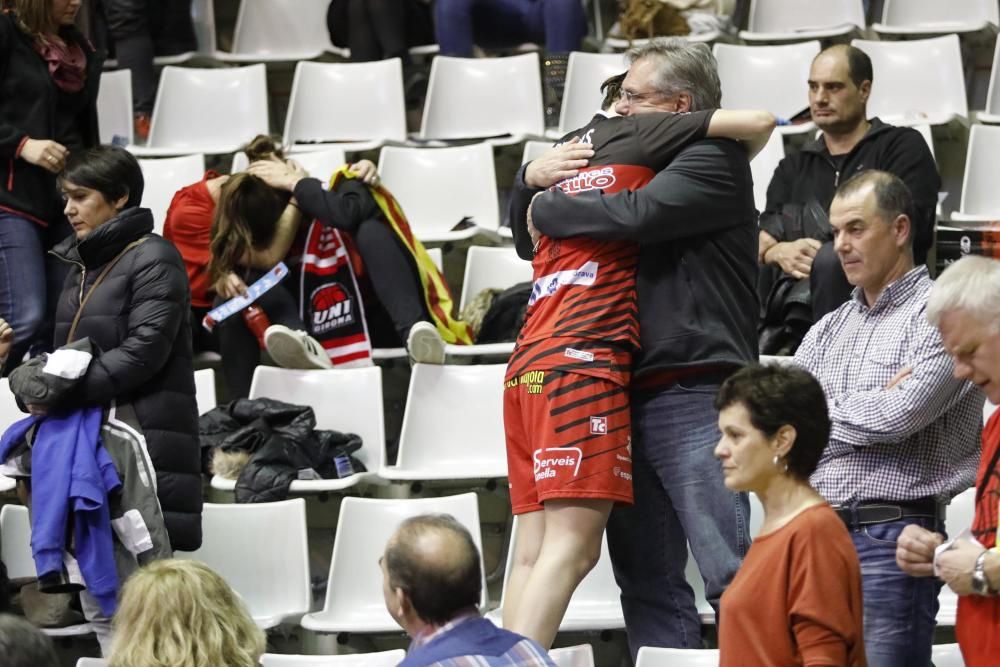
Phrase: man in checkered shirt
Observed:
(905, 433)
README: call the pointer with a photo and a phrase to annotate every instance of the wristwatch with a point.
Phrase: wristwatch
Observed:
(980, 584)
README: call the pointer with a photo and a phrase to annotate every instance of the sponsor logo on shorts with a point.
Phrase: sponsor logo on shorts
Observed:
(598, 425)
(578, 354)
(547, 460)
(532, 379)
(618, 472)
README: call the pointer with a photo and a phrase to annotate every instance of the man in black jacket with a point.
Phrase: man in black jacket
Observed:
(795, 236)
(696, 226)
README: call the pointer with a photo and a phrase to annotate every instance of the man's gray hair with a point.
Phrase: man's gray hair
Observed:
(971, 284)
(685, 68)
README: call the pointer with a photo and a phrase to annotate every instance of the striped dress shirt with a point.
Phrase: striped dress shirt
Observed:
(922, 437)
(525, 653)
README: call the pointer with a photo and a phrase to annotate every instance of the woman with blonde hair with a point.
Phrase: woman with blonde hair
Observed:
(182, 614)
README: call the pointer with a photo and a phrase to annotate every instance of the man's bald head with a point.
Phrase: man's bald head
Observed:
(434, 560)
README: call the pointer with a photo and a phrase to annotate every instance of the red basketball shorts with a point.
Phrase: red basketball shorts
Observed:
(568, 436)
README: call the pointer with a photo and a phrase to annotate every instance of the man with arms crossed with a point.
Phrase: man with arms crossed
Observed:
(904, 435)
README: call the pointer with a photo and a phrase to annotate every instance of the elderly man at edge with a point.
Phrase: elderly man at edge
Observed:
(696, 226)
(432, 582)
(964, 305)
(904, 437)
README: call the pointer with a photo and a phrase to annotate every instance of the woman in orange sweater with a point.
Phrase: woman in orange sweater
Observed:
(796, 600)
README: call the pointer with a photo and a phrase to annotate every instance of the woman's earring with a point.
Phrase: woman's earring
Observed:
(780, 463)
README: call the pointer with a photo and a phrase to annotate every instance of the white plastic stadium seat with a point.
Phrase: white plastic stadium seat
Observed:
(204, 389)
(980, 197)
(596, 603)
(91, 662)
(437, 257)
(767, 77)
(533, 149)
(988, 410)
(799, 20)
(762, 168)
(992, 112)
(163, 178)
(354, 599)
(485, 267)
(114, 106)
(582, 97)
(345, 400)
(360, 104)
(280, 31)
(9, 413)
(267, 565)
(650, 656)
(947, 655)
(933, 17)
(201, 110)
(474, 98)
(452, 425)
(919, 81)
(961, 510)
(573, 656)
(380, 659)
(620, 44)
(439, 187)
(15, 552)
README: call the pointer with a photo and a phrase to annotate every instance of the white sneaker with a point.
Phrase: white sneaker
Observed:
(425, 344)
(294, 349)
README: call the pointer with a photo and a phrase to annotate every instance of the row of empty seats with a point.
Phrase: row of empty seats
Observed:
(218, 110)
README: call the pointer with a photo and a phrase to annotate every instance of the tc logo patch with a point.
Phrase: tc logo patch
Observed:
(599, 425)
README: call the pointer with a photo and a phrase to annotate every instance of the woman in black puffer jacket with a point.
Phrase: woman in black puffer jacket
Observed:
(138, 317)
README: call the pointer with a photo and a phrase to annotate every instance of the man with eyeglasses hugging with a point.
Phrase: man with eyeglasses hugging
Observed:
(696, 228)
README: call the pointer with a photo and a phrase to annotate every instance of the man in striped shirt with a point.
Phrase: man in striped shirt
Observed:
(905, 433)
(432, 583)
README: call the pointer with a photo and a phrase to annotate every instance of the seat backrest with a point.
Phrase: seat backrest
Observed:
(260, 549)
(993, 91)
(282, 28)
(114, 106)
(345, 400)
(9, 412)
(438, 187)
(469, 98)
(939, 16)
(321, 164)
(789, 16)
(651, 656)
(15, 541)
(947, 655)
(365, 526)
(453, 422)
(916, 79)
(961, 511)
(762, 168)
(346, 102)
(209, 110)
(533, 149)
(204, 389)
(380, 659)
(91, 662)
(582, 96)
(573, 656)
(498, 268)
(766, 77)
(163, 178)
(203, 19)
(979, 188)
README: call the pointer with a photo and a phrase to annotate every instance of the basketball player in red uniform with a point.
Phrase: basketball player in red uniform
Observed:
(566, 408)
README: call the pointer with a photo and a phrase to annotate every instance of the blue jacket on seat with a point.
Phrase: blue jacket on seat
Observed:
(77, 473)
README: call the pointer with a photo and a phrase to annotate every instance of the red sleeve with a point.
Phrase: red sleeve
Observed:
(188, 226)
(825, 592)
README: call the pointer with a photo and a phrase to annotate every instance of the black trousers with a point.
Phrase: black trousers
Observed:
(141, 29)
(392, 296)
